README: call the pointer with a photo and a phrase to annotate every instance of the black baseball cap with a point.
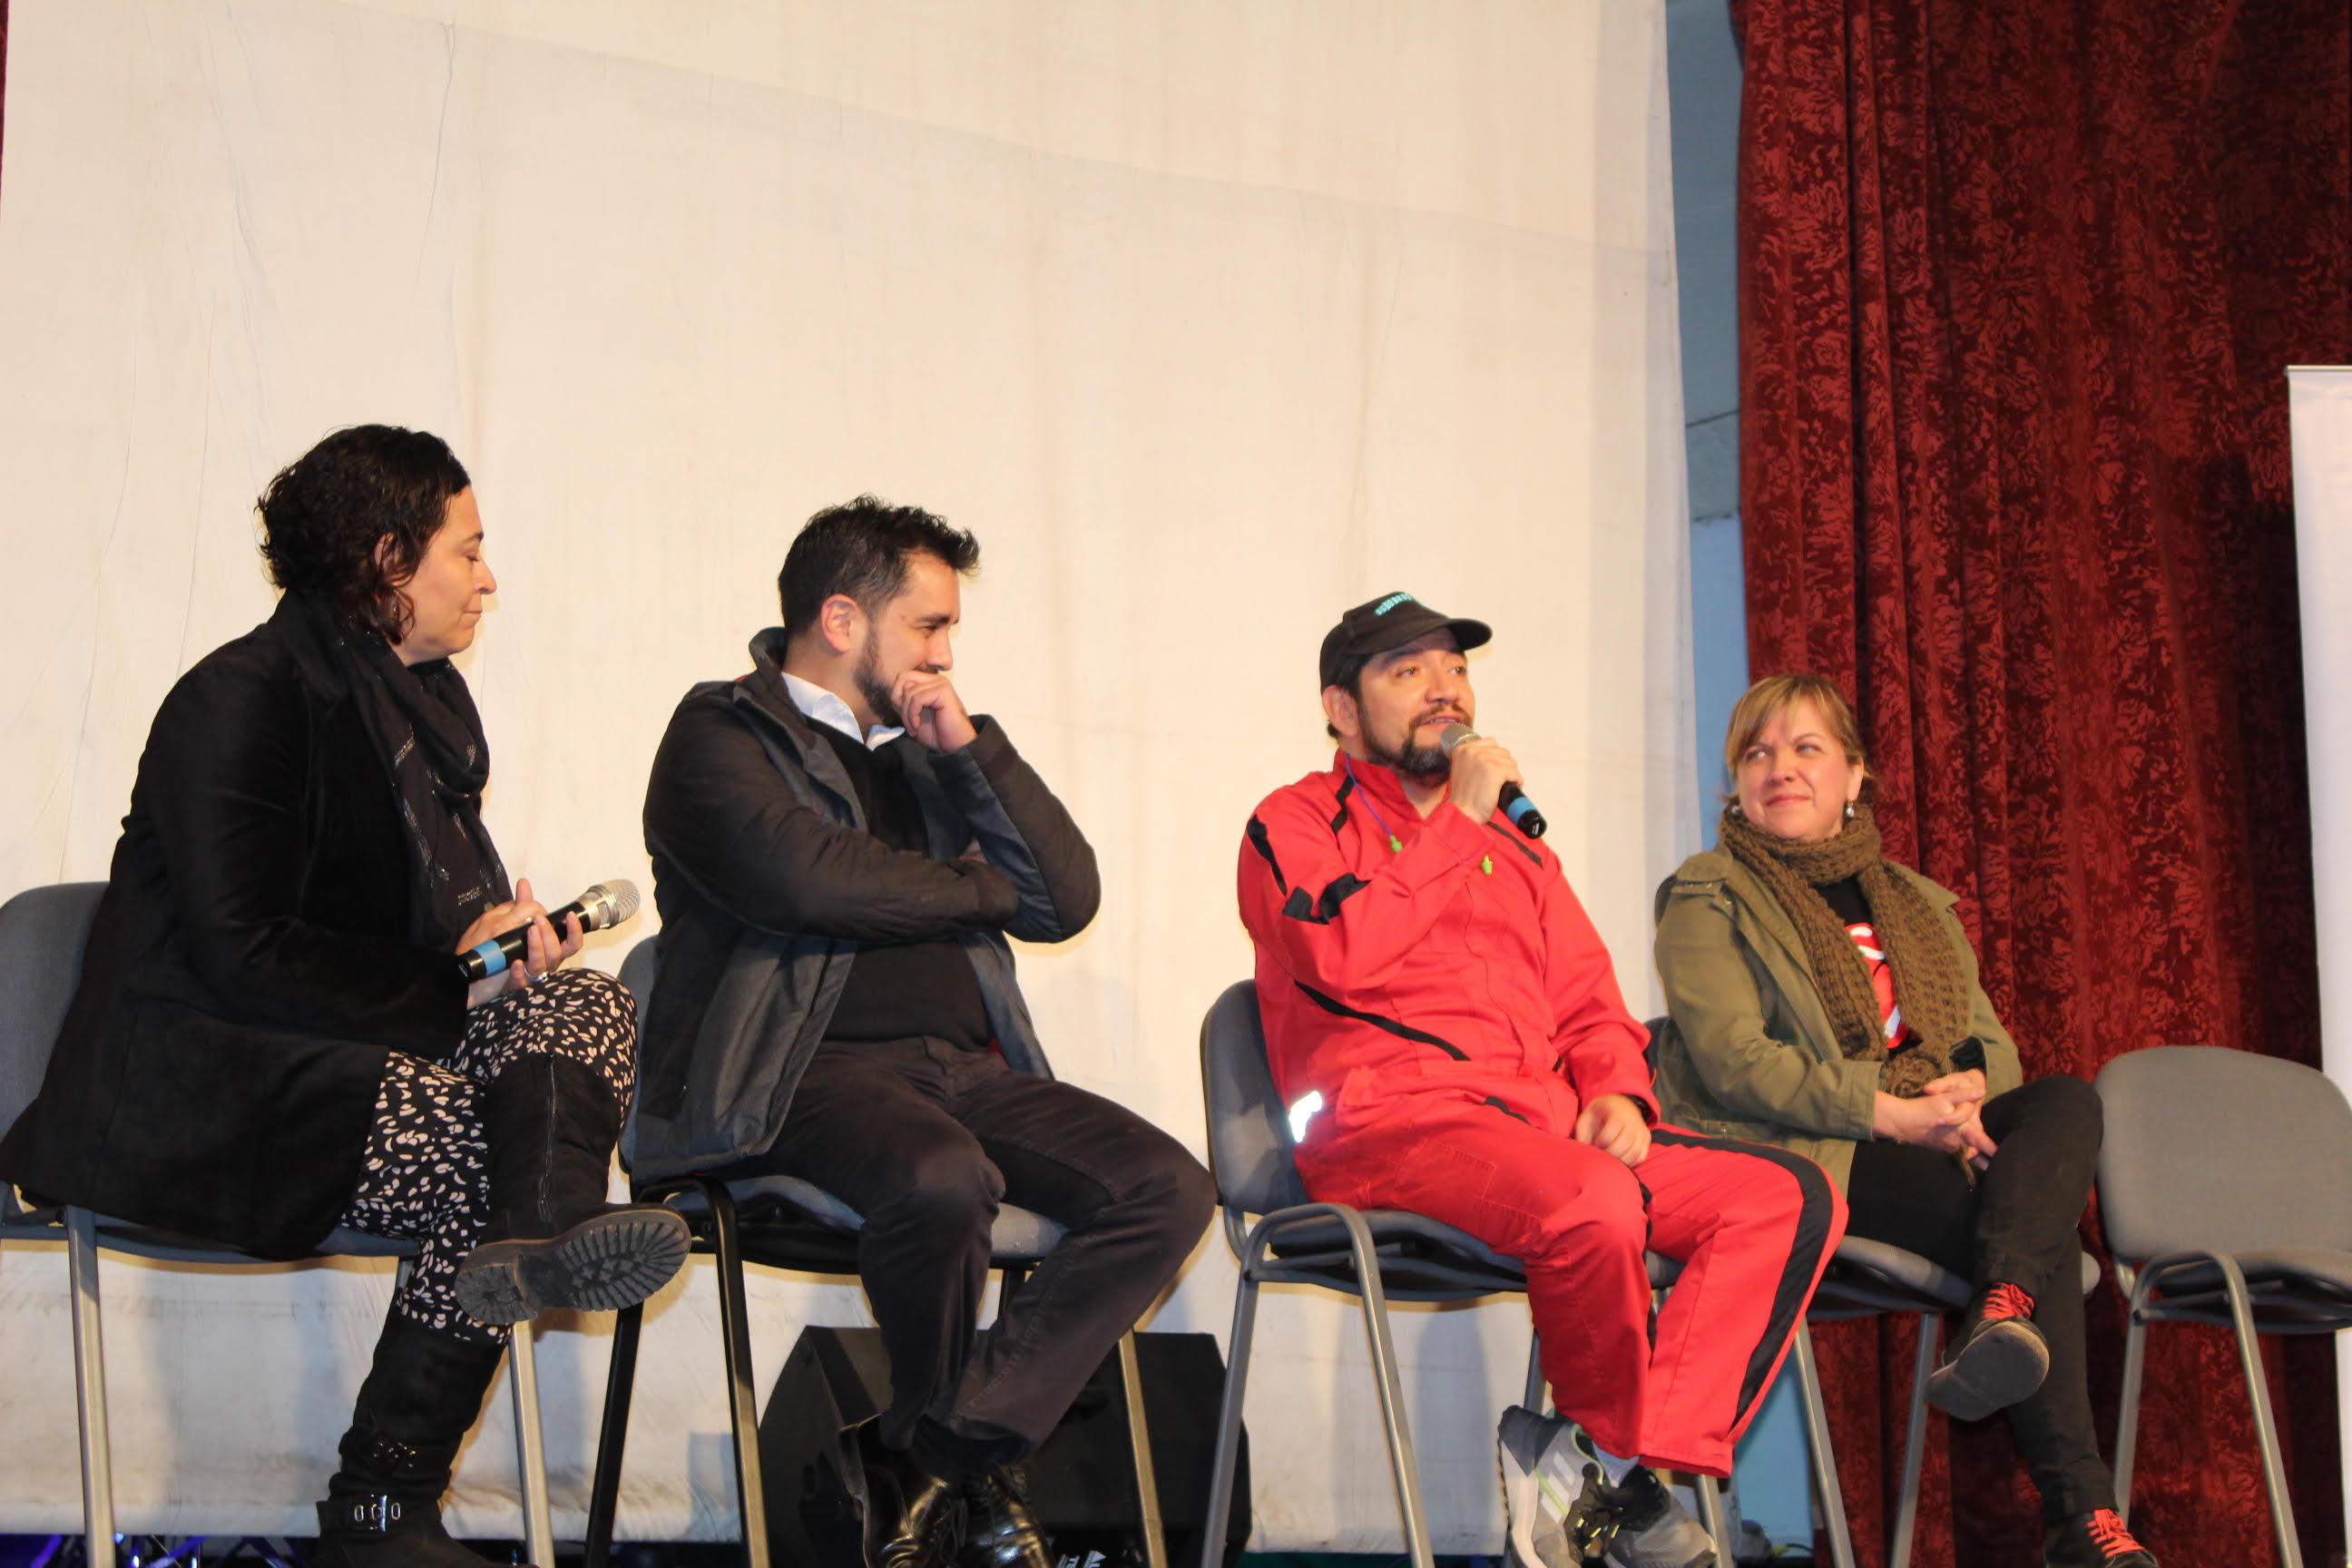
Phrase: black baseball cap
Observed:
(1391, 621)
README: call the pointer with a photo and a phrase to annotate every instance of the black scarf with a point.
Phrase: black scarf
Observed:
(429, 738)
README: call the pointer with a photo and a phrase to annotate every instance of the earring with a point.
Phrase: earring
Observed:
(1849, 811)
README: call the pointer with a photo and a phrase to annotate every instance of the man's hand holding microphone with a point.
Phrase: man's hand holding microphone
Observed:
(1486, 779)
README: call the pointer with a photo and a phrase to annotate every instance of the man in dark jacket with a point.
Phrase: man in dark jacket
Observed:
(840, 852)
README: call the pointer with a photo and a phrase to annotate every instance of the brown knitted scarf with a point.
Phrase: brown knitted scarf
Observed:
(1929, 986)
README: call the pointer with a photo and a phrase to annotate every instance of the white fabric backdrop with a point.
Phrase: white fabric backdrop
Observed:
(1211, 318)
(2319, 411)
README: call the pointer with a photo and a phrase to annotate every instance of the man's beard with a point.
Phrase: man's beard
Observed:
(874, 689)
(1422, 764)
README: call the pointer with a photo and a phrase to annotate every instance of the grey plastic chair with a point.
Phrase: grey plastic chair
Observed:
(783, 1222)
(1371, 1254)
(42, 933)
(2225, 1183)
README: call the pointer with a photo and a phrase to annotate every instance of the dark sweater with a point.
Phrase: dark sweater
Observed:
(898, 990)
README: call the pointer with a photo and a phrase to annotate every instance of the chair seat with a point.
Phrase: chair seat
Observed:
(2291, 1287)
(1421, 1259)
(1881, 1277)
(1020, 1236)
(1867, 1277)
(174, 1247)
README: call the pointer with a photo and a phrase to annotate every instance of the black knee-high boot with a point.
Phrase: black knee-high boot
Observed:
(383, 1506)
(552, 1240)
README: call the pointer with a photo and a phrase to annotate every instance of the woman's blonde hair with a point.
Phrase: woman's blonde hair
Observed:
(1776, 694)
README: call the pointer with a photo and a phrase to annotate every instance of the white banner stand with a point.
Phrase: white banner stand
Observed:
(2319, 404)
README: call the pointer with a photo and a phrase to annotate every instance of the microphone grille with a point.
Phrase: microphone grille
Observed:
(1453, 735)
(607, 904)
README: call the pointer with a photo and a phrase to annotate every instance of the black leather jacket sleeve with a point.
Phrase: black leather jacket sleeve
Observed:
(1026, 833)
(718, 813)
(231, 810)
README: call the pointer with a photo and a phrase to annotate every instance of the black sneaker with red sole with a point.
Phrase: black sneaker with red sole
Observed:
(1999, 1359)
(2096, 1540)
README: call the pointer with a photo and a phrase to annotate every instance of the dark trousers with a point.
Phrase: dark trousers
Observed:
(925, 1139)
(2015, 1226)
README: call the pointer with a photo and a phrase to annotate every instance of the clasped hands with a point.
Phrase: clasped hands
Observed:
(1946, 1115)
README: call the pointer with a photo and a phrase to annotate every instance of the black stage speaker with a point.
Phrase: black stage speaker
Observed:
(1081, 1482)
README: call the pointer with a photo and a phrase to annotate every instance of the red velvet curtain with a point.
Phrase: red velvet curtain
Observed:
(2018, 283)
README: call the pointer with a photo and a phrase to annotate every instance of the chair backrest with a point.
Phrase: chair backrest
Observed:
(1250, 1148)
(639, 971)
(2221, 1151)
(42, 932)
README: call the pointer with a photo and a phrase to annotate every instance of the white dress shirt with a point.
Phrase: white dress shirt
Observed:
(826, 709)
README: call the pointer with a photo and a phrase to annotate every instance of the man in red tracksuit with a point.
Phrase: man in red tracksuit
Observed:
(1423, 968)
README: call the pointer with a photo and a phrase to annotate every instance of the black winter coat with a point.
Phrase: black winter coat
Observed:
(249, 970)
(768, 883)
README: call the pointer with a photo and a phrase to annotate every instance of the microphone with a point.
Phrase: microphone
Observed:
(601, 907)
(1513, 799)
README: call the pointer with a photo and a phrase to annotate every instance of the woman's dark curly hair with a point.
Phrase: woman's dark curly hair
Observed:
(324, 515)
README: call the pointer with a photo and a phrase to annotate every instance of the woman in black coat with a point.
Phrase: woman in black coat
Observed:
(272, 1035)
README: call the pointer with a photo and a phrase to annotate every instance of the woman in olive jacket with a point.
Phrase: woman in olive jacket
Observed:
(1825, 998)
(272, 1035)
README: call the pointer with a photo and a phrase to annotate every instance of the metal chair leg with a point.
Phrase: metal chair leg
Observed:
(1138, 1445)
(743, 1400)
(1817, 1434)
(1229, 1409)
(2128, 1410)
(1914, 1441)
(2250, 1355)
(1711, 1515)
(613, 1436)
(90, 1385)
(1384, 1369)
(531, 1446)
(1735, 1515)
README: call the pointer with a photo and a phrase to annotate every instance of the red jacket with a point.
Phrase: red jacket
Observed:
(1458, 965)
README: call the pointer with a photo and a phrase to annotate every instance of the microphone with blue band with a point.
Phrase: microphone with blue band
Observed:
(1512, 800)
(601, 907)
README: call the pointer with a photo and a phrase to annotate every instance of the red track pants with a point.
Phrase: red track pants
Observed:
(1753, 1226)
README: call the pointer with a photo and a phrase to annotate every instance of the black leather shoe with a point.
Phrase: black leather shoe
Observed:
(912, 1517)
(1002, 1532)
